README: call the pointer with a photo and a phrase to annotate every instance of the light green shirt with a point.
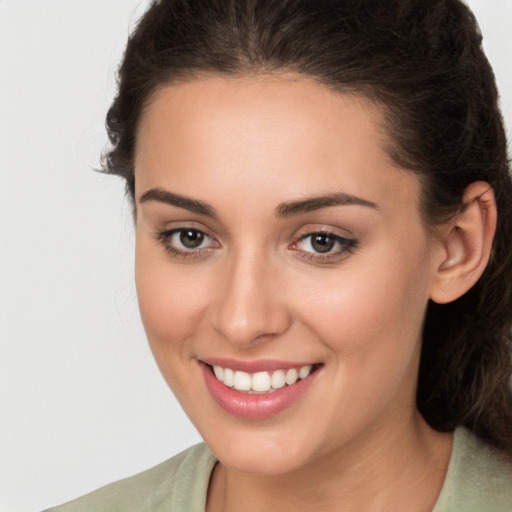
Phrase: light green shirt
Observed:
(478, 480)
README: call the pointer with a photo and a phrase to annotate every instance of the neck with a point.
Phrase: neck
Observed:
(386, 469)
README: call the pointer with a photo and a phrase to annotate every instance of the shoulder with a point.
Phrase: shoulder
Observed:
(183, 479)
(478, 478)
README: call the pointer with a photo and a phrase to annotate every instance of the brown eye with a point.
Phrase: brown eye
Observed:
(186, 242)
(191, 238)
(322, 242)
(324, 246)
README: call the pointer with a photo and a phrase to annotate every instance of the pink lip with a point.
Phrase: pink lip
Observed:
(263, 365)
(254, 407)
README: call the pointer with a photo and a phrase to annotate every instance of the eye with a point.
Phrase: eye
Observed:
(186, 242)
(319, 242)
(324, 245)
(189, 238)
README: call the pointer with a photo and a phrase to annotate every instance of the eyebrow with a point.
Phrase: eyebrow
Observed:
(317, 203)
(284, 210)
(192, 205)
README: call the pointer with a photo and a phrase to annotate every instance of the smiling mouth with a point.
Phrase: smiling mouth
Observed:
(262, 382)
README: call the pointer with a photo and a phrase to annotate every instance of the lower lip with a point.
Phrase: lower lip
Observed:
(254, 407)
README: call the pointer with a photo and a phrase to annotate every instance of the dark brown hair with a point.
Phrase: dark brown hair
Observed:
(422, 61)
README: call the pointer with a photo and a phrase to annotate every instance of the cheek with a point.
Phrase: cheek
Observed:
(172, 305)
(171, 301)
(370, 314)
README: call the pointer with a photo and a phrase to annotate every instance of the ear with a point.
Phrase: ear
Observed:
(465, 246)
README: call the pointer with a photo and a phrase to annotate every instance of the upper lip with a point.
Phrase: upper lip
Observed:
(260, 365)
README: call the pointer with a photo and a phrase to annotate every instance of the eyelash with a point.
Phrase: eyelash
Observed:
(346, 245)
(165, 238)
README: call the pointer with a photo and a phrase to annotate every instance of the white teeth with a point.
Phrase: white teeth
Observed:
(305, 371)
(219, 372)
(278, 380)
(261, 382)
(229, 377)
(242, 381)
(291, 376)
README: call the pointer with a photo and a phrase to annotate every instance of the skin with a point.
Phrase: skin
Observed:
(255, 290)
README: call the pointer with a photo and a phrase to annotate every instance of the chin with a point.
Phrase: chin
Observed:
(262, 453)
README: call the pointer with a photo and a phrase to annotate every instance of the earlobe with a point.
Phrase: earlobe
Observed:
(465, 246)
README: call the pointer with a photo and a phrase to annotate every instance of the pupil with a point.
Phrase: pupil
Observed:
(191, 238)
(322, 243)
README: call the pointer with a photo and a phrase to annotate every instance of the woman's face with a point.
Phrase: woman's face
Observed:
(274, 234)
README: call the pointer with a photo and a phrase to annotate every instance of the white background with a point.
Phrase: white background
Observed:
(81, 400)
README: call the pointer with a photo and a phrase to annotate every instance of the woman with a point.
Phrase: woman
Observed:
(322, 203)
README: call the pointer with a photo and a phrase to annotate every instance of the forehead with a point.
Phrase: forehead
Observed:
(270, 133)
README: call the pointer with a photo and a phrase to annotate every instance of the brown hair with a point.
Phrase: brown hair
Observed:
(423, 62)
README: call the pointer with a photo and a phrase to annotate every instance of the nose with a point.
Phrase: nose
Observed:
(250, 306)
